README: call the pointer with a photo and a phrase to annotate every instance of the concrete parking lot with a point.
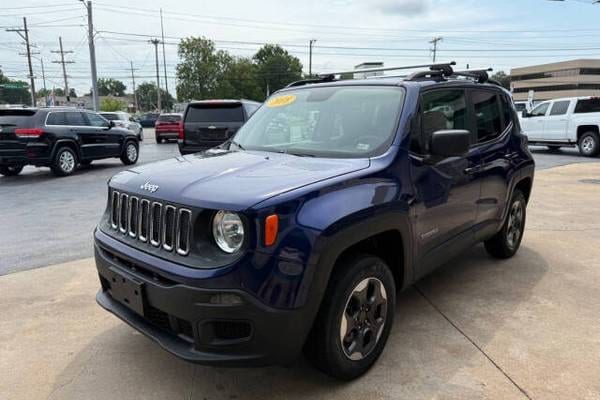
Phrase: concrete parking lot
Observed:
(524, 328)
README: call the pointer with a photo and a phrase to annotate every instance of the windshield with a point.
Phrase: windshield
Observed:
(342, 121)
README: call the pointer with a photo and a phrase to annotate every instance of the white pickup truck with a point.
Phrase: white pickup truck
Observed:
(567, 122)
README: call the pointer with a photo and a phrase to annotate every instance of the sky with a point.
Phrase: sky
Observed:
(500, 34)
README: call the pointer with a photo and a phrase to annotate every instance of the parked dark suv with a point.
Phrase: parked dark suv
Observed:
(298, 232)
(60, 138)
(209, 123)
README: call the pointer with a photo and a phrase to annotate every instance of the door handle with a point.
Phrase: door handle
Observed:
(471, 170)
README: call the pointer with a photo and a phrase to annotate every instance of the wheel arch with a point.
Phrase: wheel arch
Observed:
(72, 144)
(586, 128)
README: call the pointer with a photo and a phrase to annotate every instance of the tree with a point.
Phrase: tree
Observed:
(276, 68)
(111, 104)
(502, 78)
(111, 87)
(201, 70)
(14, 95)
(146, 97)
(240, 81)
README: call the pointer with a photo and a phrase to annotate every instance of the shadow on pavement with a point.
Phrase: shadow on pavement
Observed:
(425, 356)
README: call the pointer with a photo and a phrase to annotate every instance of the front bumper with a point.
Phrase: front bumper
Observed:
(183, 319)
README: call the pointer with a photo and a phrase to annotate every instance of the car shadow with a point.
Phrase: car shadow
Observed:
(425, 357)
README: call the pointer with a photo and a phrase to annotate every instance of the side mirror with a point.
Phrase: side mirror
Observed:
(450, 143)
(111, 124)
(524, 114)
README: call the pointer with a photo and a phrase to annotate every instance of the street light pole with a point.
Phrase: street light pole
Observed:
(156, 42)
(95, 98)
(310, 47)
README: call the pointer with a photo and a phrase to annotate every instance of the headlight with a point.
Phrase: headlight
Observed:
(228, 231)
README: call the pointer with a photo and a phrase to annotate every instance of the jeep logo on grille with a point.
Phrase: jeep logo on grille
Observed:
(149, 187)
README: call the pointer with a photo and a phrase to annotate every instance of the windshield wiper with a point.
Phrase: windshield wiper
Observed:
(238, 145)
(294, 153)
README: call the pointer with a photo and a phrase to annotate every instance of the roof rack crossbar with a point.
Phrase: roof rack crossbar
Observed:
(480, 75)
(433, 67)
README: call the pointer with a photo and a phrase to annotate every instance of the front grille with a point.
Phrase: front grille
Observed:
(163, 225)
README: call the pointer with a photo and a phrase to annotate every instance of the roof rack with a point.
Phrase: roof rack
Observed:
(479, 75)
(442, 68)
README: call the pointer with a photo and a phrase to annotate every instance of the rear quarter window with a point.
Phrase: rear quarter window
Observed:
(587, 106)
(215, 113)
(56, 118)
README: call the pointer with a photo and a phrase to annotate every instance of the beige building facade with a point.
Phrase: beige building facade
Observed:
(562, 79)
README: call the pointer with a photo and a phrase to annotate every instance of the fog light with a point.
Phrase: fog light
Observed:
(226, 299)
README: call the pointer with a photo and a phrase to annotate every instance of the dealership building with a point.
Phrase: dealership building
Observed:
(550, 81)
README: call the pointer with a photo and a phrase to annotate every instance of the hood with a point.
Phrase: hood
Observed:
(233, 180)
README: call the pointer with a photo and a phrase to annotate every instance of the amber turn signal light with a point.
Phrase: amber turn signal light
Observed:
(271, 228)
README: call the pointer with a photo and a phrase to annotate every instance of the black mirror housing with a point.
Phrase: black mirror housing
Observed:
(524, 114)
(450, 142)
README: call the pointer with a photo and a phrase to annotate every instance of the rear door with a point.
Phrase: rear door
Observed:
(493, 124)
(210, 124)
(557, 123)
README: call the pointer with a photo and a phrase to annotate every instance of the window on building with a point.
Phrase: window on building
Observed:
(559, 107)
(487, 115)
(587, 106)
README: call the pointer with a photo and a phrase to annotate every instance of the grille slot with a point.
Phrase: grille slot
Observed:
(183, 232)
(155, 223)
(134, 203)
(123, 203)
(169, 228)
(162, 225)
(143, 220)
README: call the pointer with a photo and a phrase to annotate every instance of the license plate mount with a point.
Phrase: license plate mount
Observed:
(127, 290)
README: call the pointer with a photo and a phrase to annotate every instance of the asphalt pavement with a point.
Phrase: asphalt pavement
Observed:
(477, 328)
(46, 220)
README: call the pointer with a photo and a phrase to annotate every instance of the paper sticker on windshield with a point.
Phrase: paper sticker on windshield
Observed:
(281, 101)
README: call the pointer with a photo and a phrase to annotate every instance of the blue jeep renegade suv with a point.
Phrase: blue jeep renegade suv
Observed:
(297, 233)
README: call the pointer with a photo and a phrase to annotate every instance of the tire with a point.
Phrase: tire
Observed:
(506, 243)
(553, 149)
(130, 153)
(351, 282)
(589, 144)
(11, 170)
(65, 162)
(159, 140)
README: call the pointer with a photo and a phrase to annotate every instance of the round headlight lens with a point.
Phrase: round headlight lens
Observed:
(228, 231)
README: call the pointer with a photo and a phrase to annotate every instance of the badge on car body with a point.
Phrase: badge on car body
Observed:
(149, 187)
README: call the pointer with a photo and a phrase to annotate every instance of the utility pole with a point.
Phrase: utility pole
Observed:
(310, 47)
(135, 102)
(162, 31)
(435, 41)
(156, 42)
(95, 98)
(64, 63)
(44, 81)
(24, 33)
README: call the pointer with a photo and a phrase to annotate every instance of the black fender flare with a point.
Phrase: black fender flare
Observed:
(72, 143)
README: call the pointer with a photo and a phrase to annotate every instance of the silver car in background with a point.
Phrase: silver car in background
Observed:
(125, 120)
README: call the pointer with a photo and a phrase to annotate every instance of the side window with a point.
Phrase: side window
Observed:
(487, 115)
(440, 109)
(74, 118)
(56, 118)
(587, 106)
(540, 110)
(560, 107)
(96, 120)
(507, 110)
(250, 109)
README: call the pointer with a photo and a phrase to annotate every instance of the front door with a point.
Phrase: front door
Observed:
(533, 124)
(90, 139)
(446, 190)
(111, 139)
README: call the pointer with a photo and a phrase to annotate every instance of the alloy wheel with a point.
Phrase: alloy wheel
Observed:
(515, 224)
(587, 144)
(131, 152)
(363, 319)
(66, 161)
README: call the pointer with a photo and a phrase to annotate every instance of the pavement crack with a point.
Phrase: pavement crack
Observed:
(489, 358)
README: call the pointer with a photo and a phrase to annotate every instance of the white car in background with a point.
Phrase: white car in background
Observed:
(124, 120)
(566, 122)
